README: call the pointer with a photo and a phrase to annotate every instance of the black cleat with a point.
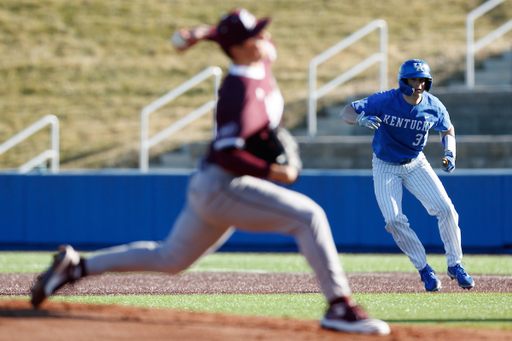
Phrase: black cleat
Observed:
(61, 272)
(344, 315)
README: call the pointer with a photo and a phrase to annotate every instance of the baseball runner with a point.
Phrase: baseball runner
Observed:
(231, 188)
(401, 119)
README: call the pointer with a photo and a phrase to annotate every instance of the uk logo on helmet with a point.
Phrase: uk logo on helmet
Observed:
(419, 67)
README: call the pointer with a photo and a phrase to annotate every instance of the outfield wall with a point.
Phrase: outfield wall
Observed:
(93, 209)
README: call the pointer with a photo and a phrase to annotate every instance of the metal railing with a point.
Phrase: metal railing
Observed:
(145, 142)
(471, 46)
(49, 154)
(315, 94)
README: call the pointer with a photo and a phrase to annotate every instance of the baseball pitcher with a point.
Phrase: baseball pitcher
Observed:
(232, 186)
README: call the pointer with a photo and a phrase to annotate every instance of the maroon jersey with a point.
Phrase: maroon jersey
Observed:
(250, 105)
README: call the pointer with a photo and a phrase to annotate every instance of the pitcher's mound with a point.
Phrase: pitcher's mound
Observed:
(74, 322)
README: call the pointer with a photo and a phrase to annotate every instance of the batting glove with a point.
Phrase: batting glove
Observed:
(448, 163)
(370, 122)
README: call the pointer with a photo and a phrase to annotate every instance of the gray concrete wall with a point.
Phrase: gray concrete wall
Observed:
(486, 111)
(482, 120)
(355, 152)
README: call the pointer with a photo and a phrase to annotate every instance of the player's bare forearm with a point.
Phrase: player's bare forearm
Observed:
(201, 32)
(349, 115)
(283, 173)
(185, 38)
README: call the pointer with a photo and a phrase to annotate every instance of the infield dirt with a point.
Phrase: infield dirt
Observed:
(63, 321)
(211, 283)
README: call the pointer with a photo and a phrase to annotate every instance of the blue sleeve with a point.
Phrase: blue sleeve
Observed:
(359, 105)
(443, 123)
(366, 104)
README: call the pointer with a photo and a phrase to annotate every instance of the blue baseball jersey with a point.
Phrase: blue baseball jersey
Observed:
(403, 132)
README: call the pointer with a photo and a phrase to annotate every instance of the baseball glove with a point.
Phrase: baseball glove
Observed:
(290, 155)
(277, 146)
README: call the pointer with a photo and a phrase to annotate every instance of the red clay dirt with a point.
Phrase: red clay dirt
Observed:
(61, 321)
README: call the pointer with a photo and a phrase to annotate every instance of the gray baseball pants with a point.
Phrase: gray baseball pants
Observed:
(217, 201)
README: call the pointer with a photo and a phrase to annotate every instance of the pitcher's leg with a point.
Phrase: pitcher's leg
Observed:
(317, 245)
(259, 205)
(137, 256)
(425, 185)
(188, 240)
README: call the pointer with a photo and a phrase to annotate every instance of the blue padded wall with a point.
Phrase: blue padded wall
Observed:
(97, 209)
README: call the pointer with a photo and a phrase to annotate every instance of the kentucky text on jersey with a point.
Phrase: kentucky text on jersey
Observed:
(404, 129)
(401, 122)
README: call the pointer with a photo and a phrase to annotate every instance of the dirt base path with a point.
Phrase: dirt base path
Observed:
(245, 283)
(62, 321)
(76, 322)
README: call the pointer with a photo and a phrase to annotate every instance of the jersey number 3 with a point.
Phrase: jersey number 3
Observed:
(419, 137)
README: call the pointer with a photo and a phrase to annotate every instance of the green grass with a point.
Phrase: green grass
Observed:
(95, 64)
(474, 310)
(32, 262)
(465, 309)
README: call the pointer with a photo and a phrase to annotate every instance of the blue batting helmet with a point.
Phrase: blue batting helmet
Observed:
(414, 68)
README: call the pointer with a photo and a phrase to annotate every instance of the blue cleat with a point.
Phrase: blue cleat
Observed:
(464, 280)
(428, 276)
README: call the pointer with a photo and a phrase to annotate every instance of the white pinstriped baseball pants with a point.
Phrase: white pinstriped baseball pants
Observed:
(420, 179)
(216, 202)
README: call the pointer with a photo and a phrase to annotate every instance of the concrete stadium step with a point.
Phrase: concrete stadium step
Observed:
(493, 77)
(329, 123)
(495, 71)
(481, 118)
(355, 152)
(181, 158)
(486, 110)
(502, 63)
